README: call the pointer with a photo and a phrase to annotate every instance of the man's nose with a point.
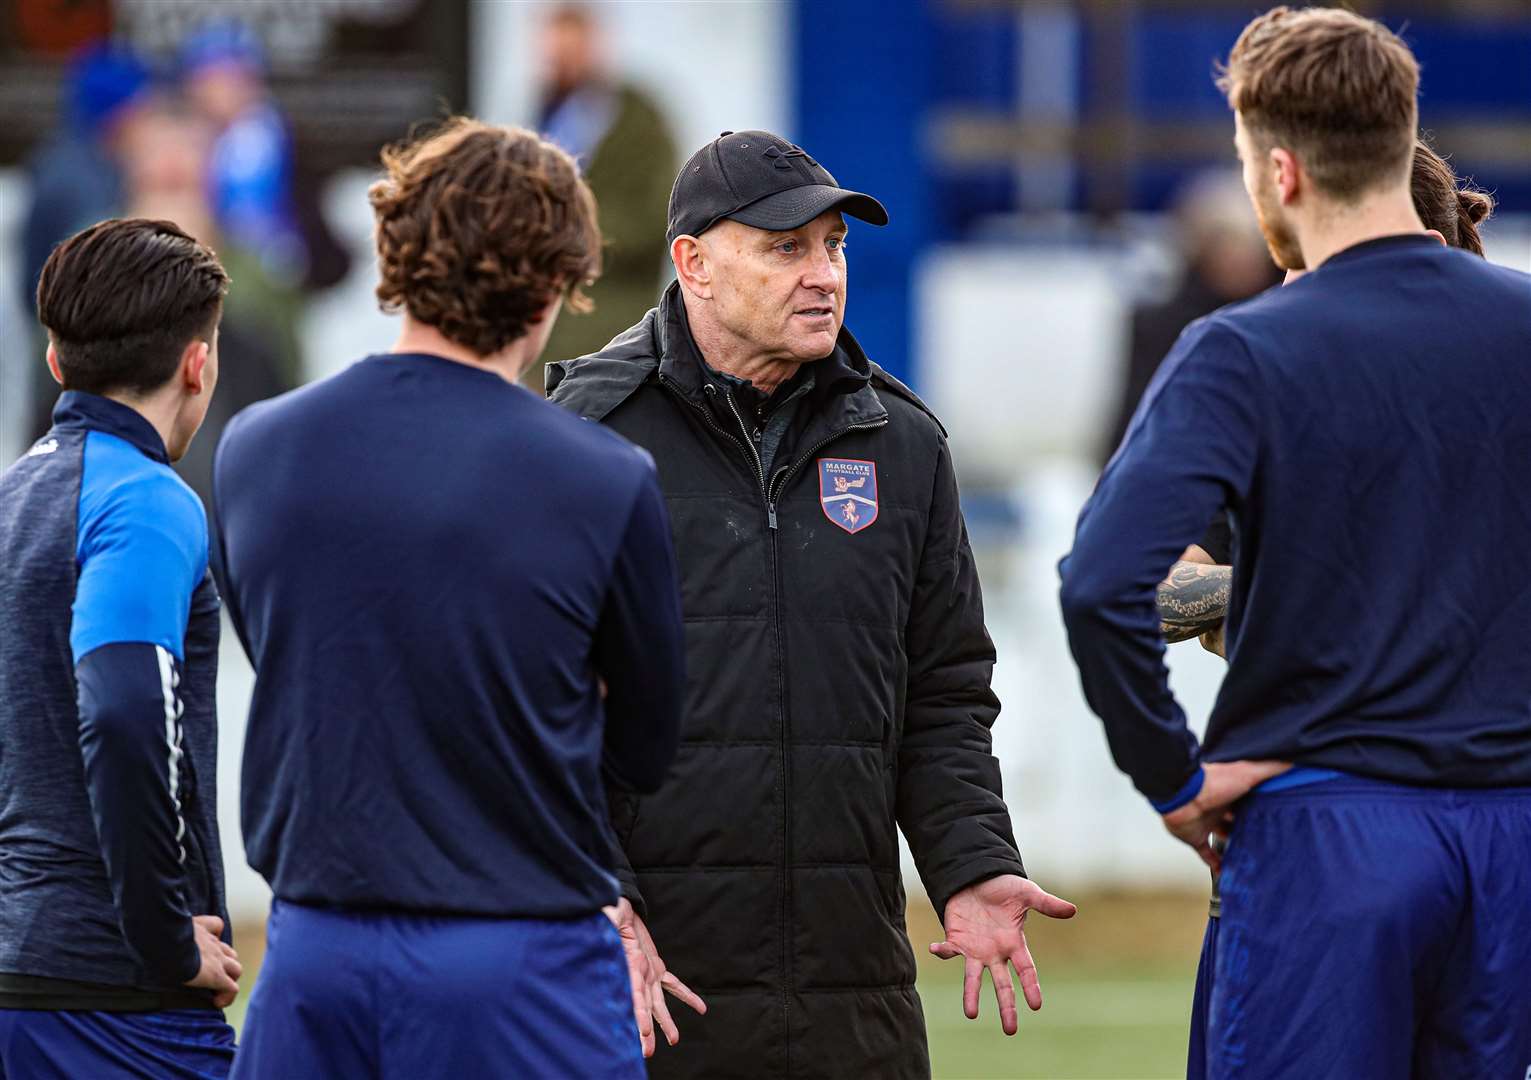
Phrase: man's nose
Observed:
(823, 273)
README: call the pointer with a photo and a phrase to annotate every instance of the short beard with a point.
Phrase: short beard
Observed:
(1280, 238)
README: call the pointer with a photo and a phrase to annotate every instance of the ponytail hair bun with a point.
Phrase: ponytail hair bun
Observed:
(1472, 207)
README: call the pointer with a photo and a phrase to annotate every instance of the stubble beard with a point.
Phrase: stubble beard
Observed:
(1279, 235)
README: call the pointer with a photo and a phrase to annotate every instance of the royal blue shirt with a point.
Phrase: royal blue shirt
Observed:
(1369, 429)
(433, 572)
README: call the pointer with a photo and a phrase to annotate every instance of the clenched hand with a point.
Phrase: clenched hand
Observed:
(220, 969)
(1225, 783)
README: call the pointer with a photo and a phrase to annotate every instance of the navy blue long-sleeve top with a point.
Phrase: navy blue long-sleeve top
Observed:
(1369, 429)
(432, 571)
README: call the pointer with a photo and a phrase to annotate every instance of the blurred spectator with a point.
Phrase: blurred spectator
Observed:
(250, 168)
(625, 148)
(164, 166)
(1225, 260)
(75, 177)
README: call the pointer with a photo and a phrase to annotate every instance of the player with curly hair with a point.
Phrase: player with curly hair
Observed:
(433, 572)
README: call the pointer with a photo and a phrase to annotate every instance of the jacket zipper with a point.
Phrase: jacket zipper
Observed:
(791, 470)
(786, 741)
(771, 492)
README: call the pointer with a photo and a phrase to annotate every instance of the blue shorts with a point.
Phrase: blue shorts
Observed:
(375, 994)
(1201, 1004)
(181, 1044)
(1370, 930)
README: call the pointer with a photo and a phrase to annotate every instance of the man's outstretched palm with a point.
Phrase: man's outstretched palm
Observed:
(985, 923)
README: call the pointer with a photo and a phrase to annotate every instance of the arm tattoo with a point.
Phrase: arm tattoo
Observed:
(1193, 599)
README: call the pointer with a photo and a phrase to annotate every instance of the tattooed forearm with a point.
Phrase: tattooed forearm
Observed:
(1193, 599)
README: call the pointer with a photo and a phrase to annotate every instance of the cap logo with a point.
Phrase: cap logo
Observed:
(781, 159)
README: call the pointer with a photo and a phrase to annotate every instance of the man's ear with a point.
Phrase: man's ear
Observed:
(691, 268)
(1438, 235)
(194, 367)
(1288, 177)
(53, 368)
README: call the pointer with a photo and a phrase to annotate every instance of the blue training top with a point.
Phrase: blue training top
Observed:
(1369, 428)
(108, 736)
(430, 568)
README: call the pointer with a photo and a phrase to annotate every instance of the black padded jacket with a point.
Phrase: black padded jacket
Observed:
(838, 690)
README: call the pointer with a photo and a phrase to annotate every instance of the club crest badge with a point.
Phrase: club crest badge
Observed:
(848, 492)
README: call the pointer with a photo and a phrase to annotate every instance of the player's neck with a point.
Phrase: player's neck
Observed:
(1335, 228)
(419, 337)
(162, 409)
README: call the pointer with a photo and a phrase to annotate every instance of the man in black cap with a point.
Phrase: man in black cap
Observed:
(838, 663)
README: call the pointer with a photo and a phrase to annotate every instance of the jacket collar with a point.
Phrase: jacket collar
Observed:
(842, 394)
(79, 411)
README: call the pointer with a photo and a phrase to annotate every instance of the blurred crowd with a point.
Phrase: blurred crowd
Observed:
(1222, 258)
(200, 142)
(199, 139)
(622, 142)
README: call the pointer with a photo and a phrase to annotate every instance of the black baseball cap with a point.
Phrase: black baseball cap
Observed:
(759, 179)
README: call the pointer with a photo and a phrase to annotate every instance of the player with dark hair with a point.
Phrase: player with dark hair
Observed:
(1369, 429)
(115, 957)
(433, 572)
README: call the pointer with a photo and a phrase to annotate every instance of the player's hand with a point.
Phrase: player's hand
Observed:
(1214, 641)
(1211, 811)
(650, 979)
(986, 924)
(220, 969)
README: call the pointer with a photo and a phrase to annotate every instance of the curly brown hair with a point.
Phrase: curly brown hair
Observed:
(479, 227)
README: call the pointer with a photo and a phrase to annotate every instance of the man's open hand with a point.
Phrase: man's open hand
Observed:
(985, 923)
(650, 979)
(220, 969)
(1226, 782)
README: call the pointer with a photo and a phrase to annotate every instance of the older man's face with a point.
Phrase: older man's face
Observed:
(784, 292)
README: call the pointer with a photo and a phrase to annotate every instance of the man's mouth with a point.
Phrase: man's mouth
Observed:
(815, 312)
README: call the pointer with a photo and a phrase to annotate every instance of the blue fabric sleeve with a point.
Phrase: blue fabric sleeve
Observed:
(640, 648)
(141, 549)
(130, 744)
(1188, 791)
(1190, 450)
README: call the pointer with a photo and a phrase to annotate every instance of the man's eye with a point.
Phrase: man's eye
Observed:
(787, 247)
(836, 243)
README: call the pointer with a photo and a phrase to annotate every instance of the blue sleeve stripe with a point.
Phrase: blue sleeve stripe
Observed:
(1188, 791)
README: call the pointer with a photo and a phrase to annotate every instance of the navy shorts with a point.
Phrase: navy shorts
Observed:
(181, 1044)
(1201, 1004)
(1370, 930)
(374, 994)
